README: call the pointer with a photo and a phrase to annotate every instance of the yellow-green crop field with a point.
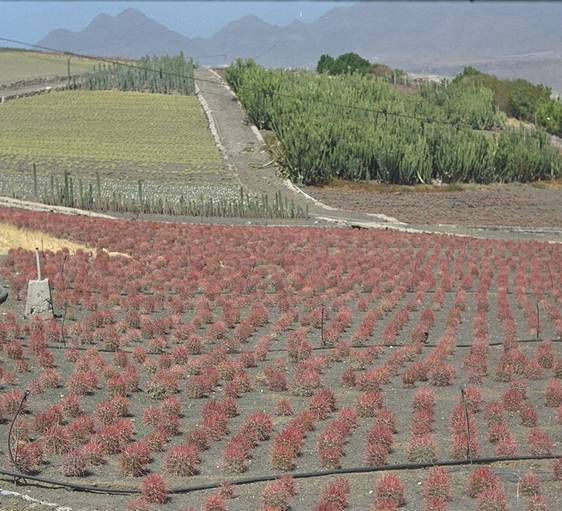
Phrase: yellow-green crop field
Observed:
(16, 66)
(118, 137)
(107, 126)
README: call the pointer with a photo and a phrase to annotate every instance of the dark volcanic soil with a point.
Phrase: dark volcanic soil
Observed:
(516, 205)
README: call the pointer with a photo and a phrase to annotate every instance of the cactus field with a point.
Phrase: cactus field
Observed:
(361, 370)
(357, 128)
(291, 366)
(108, 141)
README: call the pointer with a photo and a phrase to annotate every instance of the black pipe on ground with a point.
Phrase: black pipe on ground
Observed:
(109, 490)
(3, 295)
(283, 350)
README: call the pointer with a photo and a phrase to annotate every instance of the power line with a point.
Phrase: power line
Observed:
(427, 120)
(106, 60)
(273, 46)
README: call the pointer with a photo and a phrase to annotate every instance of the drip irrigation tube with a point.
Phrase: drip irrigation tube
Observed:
(284, 350)
(12, 452)
(3, 295)
(495, 343)
(110, 490)
(424, 345)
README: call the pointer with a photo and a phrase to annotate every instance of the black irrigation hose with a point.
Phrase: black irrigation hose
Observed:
(467, 425)
(11, 452)
(284, 350)
(491, 343)
(424, 345)
(3, 295)
(86, 348)
(109, 490)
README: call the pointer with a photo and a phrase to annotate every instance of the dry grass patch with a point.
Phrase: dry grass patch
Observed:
(12, 236)
(555, 183)
(16, 237)
(376, 186)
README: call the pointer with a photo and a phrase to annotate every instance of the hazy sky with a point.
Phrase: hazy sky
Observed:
(30, 21)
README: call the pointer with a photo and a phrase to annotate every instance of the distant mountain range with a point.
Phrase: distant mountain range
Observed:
(509, 39)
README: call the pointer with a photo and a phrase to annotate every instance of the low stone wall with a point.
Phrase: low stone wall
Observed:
(28, 93)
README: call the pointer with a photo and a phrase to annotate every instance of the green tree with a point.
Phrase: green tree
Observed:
(526, 97)
(517, 98)
(350, 63)
(346, 63)
(325, 64)
(549, 115)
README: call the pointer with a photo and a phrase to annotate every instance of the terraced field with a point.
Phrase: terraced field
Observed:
(110, 140)
(16, 66)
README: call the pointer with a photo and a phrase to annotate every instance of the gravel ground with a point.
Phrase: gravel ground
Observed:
(516, 205)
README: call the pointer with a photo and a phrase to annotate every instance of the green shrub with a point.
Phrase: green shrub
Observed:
(358, 127)
(549, 115)
(519, 98)
(344, 64)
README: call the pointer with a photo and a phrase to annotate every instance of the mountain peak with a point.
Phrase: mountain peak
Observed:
(295, 24)
(131, 14)
(246, 27)
(251, 21)
(252, 18)
(128, 34)
(100, 19)
(407, 35)
(126, 18)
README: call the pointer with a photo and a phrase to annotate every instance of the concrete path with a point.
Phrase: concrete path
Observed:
(9, 202)
(10, 93)
(245, 150)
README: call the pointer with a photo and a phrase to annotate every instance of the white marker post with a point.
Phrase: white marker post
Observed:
(38, 263)
(39, 301)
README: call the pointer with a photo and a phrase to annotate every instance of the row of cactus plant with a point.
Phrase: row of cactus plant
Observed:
(153, 74)
(70, 191)
(360, 128)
